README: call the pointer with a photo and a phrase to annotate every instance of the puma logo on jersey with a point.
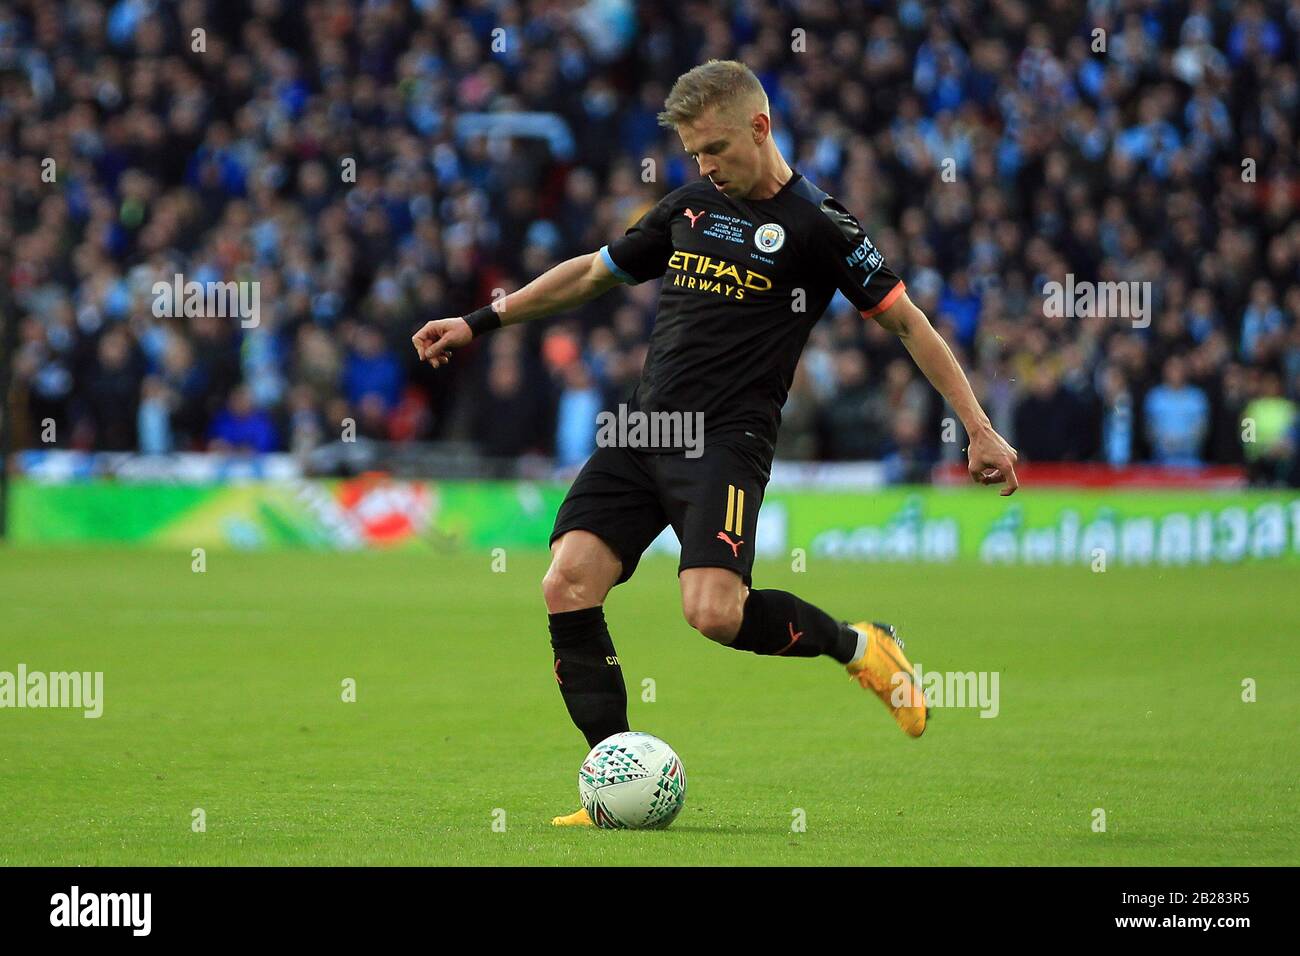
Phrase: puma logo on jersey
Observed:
(735, 545)
(692, 216)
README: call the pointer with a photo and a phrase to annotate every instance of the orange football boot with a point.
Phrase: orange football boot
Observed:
(578, 818)
(885, 671)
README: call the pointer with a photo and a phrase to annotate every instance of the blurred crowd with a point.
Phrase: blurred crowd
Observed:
(377, 164)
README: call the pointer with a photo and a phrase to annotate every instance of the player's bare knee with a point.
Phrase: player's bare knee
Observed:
(566, 588)
(717, 620)
(583, 569)
(579, 576)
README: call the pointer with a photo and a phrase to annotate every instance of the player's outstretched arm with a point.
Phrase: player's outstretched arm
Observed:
(562, 287)
(991, 460)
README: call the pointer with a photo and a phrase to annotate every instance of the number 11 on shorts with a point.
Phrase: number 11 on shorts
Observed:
(736, 509)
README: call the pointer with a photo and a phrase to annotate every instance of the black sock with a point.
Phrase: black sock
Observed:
(588, 673)
(778, 623)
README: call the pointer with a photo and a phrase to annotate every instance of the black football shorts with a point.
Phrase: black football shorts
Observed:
(627, 496)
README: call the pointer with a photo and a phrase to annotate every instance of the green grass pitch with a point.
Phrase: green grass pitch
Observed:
(1120, 691)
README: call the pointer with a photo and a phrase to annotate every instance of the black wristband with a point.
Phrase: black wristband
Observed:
(483, 320)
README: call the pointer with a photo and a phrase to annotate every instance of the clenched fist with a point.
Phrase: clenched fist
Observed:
(992, 461)
(436, 339)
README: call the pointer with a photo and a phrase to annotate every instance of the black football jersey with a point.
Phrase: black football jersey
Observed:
(743, 283)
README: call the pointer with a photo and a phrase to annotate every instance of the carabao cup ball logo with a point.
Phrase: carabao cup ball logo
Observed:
(769, 237)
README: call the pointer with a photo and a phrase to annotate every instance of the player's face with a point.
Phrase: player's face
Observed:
(725, 151)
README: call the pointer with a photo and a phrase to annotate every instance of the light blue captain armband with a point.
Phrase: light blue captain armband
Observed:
(613, 267)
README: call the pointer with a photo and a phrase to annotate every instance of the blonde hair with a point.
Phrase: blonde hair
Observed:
(722, 84)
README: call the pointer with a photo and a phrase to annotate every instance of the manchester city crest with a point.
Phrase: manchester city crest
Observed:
(769, 237)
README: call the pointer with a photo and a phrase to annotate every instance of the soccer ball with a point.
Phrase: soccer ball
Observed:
(632, 781)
